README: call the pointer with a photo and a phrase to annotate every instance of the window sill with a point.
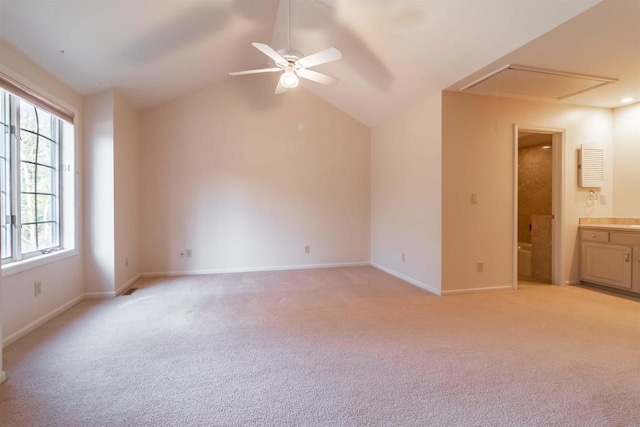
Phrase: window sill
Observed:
(27, 264)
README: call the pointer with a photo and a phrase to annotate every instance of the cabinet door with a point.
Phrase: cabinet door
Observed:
(636, 269)
(606, 264)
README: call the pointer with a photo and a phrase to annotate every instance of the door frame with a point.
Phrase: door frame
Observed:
(557, 201)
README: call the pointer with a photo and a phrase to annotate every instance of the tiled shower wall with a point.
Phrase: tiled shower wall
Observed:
(534, 207)
(534, 187)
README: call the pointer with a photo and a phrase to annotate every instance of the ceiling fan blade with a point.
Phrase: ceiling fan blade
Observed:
(262, 70)
(280, 89)
(270, 53)
(322, 57)
(317, 77)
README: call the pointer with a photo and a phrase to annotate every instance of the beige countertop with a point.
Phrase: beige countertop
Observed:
(611, 223)
(620, 227)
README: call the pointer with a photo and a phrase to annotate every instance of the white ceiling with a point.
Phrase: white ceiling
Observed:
(395, 52)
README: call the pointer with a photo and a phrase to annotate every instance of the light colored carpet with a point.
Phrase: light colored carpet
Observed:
(347, 346)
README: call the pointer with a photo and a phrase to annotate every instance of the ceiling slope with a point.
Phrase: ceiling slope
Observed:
(395, 52)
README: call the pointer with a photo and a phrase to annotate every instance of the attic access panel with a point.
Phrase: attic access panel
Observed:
(521, 81)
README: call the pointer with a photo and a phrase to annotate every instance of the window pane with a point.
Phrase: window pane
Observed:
(28, 118)
(29, 238)
(44, 208)
(28, 144)
(6, 241)
(44, 122)
(5, 176)
(28, 177)
(45, 179)
(28, 208)
(45, 236)
(44, 152)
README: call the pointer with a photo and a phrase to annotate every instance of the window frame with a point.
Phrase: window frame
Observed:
(66, 175)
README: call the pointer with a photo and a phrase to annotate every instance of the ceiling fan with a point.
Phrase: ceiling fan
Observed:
(294, 64)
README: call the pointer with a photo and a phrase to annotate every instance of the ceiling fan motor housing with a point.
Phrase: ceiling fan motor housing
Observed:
(291, 55)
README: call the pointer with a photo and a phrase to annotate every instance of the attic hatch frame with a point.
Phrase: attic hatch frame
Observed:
(549, 72)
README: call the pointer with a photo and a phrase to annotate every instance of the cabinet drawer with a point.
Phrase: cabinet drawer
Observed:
(594, 236)
(632, 239)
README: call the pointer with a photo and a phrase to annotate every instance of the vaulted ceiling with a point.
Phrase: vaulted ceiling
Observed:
(395, 52)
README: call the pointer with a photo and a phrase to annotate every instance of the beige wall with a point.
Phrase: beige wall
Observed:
(477, 157)
(406, 193)
(626, 161)
(113, 233)
(127, 191)
(62, 281)
(99, 193)
(246, 179)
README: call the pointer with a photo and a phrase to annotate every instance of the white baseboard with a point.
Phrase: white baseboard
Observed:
(253, 269)
(407, 279)
(112, 294)
(127, 285)
(477, 290)
(3, 377)
(98, 295)
(39, 322)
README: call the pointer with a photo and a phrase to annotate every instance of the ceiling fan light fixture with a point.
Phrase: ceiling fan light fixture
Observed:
(289, 79)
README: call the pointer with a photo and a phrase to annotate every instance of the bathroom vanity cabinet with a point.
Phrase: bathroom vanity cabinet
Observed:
(610, 256)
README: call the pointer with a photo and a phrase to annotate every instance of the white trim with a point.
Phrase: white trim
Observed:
(572, 282)
(3, 377)
(514, 219)
(253, 269)
(477, 290)
(16, 267)
(127, 285)
(408, 279)
(97, 295)
(39, 90)
(41, 321)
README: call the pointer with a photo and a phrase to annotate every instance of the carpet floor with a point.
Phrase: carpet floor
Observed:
(329, 347)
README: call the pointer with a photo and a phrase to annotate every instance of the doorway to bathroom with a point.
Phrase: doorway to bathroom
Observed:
(537, 205)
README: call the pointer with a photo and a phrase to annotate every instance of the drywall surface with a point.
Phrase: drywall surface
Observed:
(127, 191)
(406, 194)
(62, 281)
(626, 161)
(99, 193)
(247, 179)
(477, 157)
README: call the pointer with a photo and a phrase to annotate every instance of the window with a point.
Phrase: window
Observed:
(31, 178)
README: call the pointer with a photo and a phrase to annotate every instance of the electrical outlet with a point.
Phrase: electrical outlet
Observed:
(189, 253)
(404, 257)
(480, 266)
(37, 288)
(307, 249)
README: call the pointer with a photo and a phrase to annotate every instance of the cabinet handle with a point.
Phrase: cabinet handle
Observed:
(593, 235)
(626, 257)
